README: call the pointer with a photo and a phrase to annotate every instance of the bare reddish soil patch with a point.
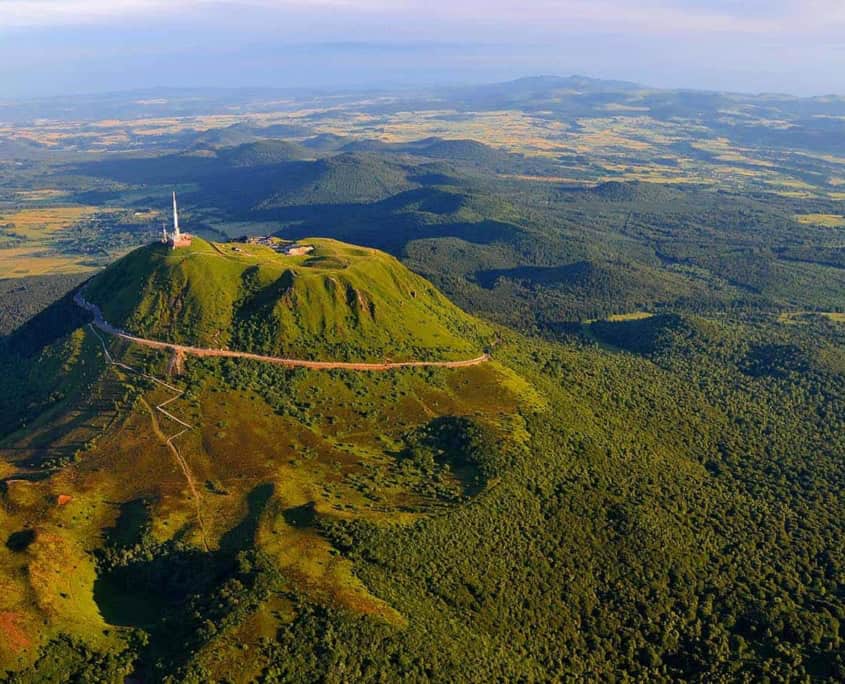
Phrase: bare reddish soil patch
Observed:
(12, 635)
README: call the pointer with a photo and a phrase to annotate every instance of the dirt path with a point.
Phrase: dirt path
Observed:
(180, 460)
(179, 351)
(106, 327)
(167, 441)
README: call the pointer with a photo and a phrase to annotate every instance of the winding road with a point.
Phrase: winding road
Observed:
(105, 326)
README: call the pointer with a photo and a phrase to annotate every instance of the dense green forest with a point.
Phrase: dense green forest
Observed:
(25, 297)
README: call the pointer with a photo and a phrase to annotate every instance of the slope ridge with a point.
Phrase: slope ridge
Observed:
(338, 303)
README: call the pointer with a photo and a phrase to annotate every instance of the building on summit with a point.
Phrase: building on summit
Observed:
(177, 238)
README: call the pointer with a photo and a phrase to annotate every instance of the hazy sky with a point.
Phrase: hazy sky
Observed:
(67, 46)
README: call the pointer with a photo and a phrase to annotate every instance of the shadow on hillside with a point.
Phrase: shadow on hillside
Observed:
(537, 275)
(50, 325)
(458, 444)
(377, 226)
(169, 589)
(144, 591)
(242, 536)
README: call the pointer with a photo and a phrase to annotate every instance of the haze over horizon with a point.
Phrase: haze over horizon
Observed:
(54, 47)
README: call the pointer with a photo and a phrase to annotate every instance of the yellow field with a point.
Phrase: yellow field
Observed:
(546, 179)
(633, 316)
(40, 195)
(620, 318)
(795, 194)
(795, 316)
(826, 220)
(19, 262)
(34, 224)
(148, 215)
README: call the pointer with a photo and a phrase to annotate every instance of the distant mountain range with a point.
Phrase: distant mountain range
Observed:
(569, 91)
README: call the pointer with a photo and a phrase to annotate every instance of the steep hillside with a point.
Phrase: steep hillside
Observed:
(263, 153)
(472, 524)
(461, 151)
(337, 303)
(125, 534)
(341, 179)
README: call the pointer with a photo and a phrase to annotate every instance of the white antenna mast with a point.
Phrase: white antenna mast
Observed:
(175, 219)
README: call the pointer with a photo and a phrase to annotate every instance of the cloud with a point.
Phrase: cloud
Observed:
(663, 16)
(648, 16)
(58, 12)
(64, 12)
(79, 45)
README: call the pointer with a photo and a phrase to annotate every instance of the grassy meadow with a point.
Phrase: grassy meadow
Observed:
(337, 303)
(276, 455)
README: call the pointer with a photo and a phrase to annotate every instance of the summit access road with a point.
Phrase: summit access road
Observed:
(101, 323)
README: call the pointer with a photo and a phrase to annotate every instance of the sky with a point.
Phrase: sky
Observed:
(51, 47)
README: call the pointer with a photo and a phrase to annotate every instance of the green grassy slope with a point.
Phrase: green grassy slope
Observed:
(339, 302)
(87, 484)
(667, 513)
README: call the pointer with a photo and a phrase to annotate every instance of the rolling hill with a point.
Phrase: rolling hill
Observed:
(273, 457)
(456, 151)
(496, 242)
(337, 303)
